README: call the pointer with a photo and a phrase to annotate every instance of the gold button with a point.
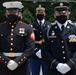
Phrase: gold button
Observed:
(24, 57)
(5, 61)
(55, 27)
(52, 41)
(11, 38)
(1, 34)
(62, 46)
(21, 35)
(12, 30)
(11, 43)
(52, 31)
(11, 33)
(0, 56)
(63, 52)
(11, 49)
(12, 26)
(2, 59)
(62, 41)
(63, 57)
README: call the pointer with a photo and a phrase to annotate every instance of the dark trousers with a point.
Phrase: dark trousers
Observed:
(35, 66)
(29, 67)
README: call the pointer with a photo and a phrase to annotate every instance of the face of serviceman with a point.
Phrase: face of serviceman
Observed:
(40, 14)
(61, 16)
(12, 16)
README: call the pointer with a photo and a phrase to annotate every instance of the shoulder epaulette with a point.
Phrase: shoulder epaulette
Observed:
(72, 23)
(3, 22)
(53, 23)
(23, 23)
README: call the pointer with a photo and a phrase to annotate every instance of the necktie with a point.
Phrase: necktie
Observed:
(40, 23)
(39, 26)
(62, 28)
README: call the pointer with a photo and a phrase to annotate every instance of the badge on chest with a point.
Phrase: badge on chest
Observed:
(21, 30)
(53, 35)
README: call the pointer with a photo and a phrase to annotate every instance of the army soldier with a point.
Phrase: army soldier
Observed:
(59, 46)
(39, 26)
(16, 41)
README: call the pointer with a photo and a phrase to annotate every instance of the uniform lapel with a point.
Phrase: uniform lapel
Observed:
(43, 25)
(57, 30)
(66, 30)
(37, 25)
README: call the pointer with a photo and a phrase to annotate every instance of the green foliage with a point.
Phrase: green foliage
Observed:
(27, 16)
(29, 11)
(73, 12)
(2, 16)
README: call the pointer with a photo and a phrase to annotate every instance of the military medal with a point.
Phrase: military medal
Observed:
(72, 38)
(21, 30)
(52, 35)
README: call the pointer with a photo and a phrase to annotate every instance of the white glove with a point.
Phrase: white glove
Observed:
(12, 65)
(59, 66)
(38, 53)
(64, 69)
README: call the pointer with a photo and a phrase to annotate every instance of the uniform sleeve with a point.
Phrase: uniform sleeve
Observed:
(46, 54)
(72, 62)
(29, 45)
(4, 59)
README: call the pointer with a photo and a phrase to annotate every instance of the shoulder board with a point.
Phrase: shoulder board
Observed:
(72, 23)
(53, 23)
(23, 23)
(3, 22)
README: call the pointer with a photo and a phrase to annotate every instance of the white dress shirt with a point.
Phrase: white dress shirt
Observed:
(42, 21)
(60, 25)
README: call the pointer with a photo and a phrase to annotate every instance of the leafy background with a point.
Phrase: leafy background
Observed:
(29, 10)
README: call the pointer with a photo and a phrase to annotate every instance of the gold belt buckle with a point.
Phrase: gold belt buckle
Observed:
(38, 42)
(11, 55)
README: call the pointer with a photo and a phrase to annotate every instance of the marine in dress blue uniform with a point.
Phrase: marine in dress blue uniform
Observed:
(59, 46)
(39, 27)
(16, 41)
